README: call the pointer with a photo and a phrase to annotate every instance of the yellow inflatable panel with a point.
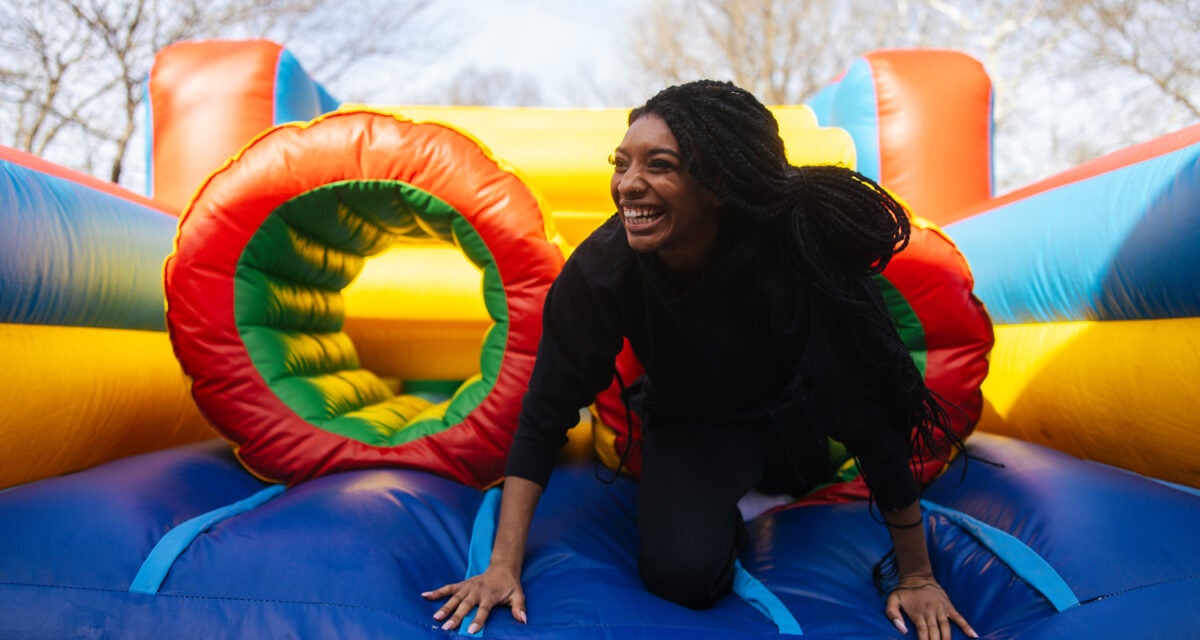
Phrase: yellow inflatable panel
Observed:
(417, 312)
(427, 282)
(89, 396)
(563, 153)
(1122, 393)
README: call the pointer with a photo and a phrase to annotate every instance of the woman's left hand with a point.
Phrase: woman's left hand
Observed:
(928, 606)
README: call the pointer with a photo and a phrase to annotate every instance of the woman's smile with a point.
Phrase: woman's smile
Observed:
(664, 208)
(641, 216)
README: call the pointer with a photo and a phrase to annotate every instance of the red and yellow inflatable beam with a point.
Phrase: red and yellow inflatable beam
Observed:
(255, 308)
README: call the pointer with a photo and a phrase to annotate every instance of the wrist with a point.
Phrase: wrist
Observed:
(506, 563)
(914, 568)
(904, 520)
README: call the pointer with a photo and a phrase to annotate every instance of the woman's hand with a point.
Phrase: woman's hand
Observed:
(500, 583)
(927, 605)
(495, 586)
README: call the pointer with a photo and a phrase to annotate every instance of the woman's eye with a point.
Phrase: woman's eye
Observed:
(619, 164)
(661, 165)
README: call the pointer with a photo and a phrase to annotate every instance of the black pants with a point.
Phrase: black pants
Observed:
(694, 470)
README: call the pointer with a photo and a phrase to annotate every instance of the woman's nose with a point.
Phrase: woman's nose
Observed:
(631, 183)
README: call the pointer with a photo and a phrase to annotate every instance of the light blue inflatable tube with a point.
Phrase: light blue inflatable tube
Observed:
(1121, 245)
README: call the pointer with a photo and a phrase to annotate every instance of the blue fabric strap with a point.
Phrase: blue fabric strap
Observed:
(154, 569)
(757, 595)
(479, 553)
(1024, 561)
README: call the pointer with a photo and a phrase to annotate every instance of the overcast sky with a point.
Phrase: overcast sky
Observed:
(568, 47)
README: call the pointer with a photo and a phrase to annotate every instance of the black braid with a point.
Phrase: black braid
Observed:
(841, 228)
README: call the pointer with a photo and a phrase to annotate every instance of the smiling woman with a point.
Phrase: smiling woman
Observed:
(745, 287)
(664, 208)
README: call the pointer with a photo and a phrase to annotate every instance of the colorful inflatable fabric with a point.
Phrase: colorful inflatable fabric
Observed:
(254, 296)
(1097, 356)
(202, 113)
(184, 542)
(898, 114)
(87, 371)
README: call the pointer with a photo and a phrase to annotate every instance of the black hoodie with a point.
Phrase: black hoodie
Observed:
(729, 343)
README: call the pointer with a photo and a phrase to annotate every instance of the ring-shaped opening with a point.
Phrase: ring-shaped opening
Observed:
(256, 308)
(289, 307)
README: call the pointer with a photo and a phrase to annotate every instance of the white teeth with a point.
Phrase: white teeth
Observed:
(640, 214)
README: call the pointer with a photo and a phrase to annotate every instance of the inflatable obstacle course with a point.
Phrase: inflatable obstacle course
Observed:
(186, 541)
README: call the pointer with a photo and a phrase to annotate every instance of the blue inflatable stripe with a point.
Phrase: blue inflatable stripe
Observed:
(479, 553)
(852, 104)
(71, 255)
(297, 97)
(757, 595)
(1024, 561)
(158, 563)
(148, 151)
(1121, 245)
(822, 104)
(327, 101)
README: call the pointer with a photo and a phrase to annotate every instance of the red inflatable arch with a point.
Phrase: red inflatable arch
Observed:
(254, 303)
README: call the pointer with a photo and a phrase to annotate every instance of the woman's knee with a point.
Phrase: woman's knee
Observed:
(692, 582)
(692, 570)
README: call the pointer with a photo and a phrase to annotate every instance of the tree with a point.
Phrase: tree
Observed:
(768, 47)
(1144, 55)
(73, 70)
(1071, 79)
(493, 87)
(784, 51)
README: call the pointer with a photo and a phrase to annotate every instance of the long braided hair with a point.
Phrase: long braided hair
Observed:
(841, 229)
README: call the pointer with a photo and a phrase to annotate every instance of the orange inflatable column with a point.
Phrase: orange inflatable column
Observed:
(209, 98)
(921, 123)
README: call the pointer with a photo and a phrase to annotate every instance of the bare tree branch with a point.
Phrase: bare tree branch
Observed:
(1047, 59)
(75, 78)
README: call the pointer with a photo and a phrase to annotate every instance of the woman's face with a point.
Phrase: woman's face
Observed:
(663, 207)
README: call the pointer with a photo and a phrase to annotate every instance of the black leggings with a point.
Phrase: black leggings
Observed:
(693, 473)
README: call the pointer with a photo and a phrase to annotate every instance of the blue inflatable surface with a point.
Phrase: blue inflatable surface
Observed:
(183, 543)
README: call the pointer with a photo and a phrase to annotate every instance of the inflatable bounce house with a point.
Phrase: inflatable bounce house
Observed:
(314, 431)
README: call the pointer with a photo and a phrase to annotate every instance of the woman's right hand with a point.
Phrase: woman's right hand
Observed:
(500, 583)
(495, 586)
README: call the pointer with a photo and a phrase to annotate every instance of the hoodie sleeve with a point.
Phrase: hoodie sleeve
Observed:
(851, 413)
(581, 337)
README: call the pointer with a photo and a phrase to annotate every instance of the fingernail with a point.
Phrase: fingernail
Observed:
(427, 594)
(439, 615)
(973, 634)
(449, 623)
(522, 618)
(899, 624)
(473, 628)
